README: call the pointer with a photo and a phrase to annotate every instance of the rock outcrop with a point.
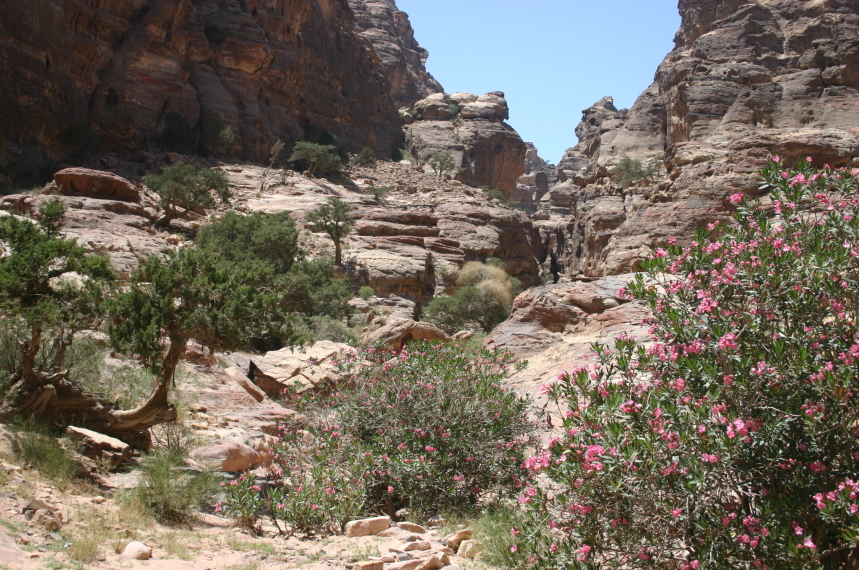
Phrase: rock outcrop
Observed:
(488, 151)
(114, 70)
(388, 32)
(746, 80)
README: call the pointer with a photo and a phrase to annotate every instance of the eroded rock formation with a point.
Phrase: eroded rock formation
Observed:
(488, 151)
(746, 80)
(388, 32)
(114, 70)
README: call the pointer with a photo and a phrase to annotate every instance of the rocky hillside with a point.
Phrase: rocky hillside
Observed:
(746, 80)
(112, 71)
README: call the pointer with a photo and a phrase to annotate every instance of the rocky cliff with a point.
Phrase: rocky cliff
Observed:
(486, 150)
(115, 69)
(387, 31)
(747, 79)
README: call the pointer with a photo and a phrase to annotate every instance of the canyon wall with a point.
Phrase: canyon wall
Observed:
(114, 70)
(389, 33)
(746, 80)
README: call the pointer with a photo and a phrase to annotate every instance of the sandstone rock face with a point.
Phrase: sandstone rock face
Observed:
(296, 369)
(488, 150)
(95, 184)
(270, 67)
(388, 32)
(746, 80)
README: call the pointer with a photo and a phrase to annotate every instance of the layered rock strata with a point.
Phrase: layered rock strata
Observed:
(746, 80)
(486, 150)
(389, 33)
(115, 69)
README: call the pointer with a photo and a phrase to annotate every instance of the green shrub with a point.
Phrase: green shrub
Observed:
(381, 193)
(450, 434)
(442, 163)
(629, 170)
(176, 134)
(334, 219)
(730, 442)
(454, 110)
(38, 447)
(367, 157)
(184, 187)
(323, 158)
(270, 240)
(168, 491)
(484, 297)
(366, 292)
(494, 193)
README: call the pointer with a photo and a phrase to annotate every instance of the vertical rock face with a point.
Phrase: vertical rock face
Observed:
(472, 129)
(747, 79)
(388, 32)
(118, 67)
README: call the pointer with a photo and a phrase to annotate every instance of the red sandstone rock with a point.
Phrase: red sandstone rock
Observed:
(95, 184)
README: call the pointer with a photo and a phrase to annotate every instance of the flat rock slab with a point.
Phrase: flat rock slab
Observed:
(367, 527)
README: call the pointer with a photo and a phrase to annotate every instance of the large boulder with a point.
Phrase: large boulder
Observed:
(95, 184)
(399, 331)
(228, 455)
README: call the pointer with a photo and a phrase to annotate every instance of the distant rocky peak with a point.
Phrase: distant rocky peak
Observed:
(389, 34)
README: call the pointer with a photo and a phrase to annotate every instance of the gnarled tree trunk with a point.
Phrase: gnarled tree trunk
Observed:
(52, 394)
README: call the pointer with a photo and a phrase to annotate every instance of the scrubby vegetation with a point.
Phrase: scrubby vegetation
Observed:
(484, 298)
(731, 441)
(367, 157)
(442, 163)
(316, 157)
(630, 170)
(183, 187)
(449, 434)
(332, 218)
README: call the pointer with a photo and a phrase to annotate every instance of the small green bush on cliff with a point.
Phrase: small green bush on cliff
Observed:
(184, 187)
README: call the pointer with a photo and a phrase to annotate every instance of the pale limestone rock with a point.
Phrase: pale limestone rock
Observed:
(411, 527)
(469, 548)
(367, 527)
(137, 551)
(228, 455)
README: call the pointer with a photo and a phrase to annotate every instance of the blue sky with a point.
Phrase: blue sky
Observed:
(551, 58)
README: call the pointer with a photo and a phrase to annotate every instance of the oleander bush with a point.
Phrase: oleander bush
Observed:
(429, 428)
(731, 440)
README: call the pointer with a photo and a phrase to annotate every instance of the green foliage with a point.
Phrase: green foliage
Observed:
(183, 187)
(442, 163)
(333, 219)
(730, 441)
(450, 435)
(381, 193)
(629, 170)
(169, 491)
(48, 283)
(323, 327)
(494, 193)
(454, 110)
(323, 158)
(176, 134)
(367, 157)
(484, 297)
(253, 239)
(493, 530)
(366, 292)
(39, 448)
(215, 134)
